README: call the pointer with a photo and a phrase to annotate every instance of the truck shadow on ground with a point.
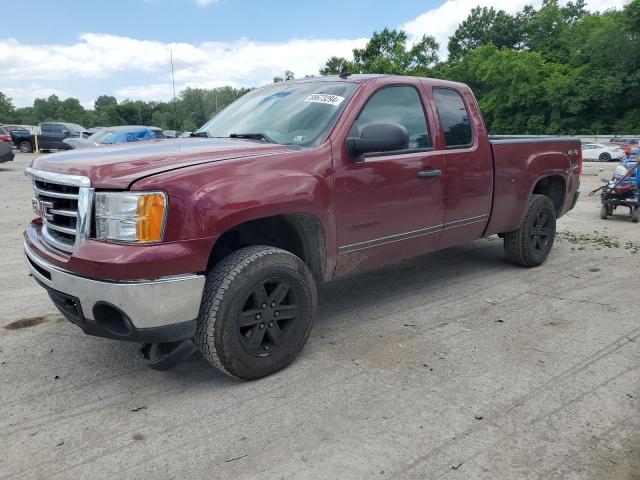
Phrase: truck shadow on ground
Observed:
(422, 274)
(366, 293)
(363, 295)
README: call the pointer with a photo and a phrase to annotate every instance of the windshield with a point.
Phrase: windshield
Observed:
(288, 114)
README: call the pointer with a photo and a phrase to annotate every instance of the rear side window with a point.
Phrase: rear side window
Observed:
(397, 105)
(454, 118)
(47, 127)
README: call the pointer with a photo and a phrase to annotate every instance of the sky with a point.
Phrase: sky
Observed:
(84, 49)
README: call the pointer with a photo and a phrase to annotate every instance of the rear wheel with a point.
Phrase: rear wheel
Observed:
(604, 212)
(605, 157)
(635, 215)
(25, 146)
(257, 312)
(530, 245)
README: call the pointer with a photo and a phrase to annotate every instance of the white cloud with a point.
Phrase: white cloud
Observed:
(97, 56)
(93, 56)
(24, 95)
(164, 91)
(244, 62)
(602, 5)
(205, 3)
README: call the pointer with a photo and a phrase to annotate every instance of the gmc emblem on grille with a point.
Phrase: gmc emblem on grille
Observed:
(42, 208)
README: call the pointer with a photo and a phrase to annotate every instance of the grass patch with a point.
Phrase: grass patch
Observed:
(583, 240)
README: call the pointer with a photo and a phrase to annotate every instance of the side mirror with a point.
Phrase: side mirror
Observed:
(65, 132)
(378, 137)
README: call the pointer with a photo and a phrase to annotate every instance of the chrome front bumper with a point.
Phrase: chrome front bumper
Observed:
(148, 304)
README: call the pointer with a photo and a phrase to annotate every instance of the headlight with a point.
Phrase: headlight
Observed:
(130, 217)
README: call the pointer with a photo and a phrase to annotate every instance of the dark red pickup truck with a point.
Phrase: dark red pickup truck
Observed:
(216, 244)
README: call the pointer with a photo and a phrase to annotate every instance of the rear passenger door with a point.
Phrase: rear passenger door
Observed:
(468, 166)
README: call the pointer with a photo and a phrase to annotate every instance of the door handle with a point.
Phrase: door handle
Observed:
(430, 173)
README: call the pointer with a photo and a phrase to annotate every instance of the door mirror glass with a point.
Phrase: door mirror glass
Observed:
(378, 137)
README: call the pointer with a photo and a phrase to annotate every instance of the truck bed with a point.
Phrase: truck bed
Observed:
(516, 160)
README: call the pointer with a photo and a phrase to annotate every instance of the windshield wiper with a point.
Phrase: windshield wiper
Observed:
(253, 136)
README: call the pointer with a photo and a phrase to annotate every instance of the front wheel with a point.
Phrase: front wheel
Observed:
(635, 215)
(530, 245)
(257, 312)
(605, 157)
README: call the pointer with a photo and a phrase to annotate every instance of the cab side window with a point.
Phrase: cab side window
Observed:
(401, 105)
(454, 118)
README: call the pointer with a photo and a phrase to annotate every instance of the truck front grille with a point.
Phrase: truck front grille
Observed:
(64, 202)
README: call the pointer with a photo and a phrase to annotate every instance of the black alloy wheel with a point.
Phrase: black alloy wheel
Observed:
(540, 232)
(268, 317)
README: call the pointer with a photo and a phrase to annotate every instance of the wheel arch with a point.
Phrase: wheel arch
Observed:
(301, 234)
(554, 187)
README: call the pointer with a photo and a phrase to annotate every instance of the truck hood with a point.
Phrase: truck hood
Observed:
(118, 166)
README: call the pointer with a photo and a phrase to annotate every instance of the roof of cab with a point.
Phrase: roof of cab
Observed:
(362, 78)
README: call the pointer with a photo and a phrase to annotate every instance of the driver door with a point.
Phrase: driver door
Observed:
(389, 205)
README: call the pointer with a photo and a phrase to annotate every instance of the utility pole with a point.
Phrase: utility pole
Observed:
(175, 105)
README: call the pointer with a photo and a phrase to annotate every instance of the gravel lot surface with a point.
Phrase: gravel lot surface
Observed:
(453, 365)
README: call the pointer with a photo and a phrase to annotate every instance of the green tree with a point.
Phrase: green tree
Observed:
(188, 126)
(549, 29)
(632, 17)
(387, 52)
(46, 109)
(193, 106)
(104, 101)
(288, 75)
(71, 111)
(557, 69)
(484, 26)
(7, 110)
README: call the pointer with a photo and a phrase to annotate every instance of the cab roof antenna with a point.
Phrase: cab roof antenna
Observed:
(345, 72)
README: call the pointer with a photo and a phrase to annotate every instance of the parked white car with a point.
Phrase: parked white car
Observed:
(602, 153)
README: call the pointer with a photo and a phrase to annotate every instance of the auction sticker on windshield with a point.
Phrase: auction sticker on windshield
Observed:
(325, 98)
